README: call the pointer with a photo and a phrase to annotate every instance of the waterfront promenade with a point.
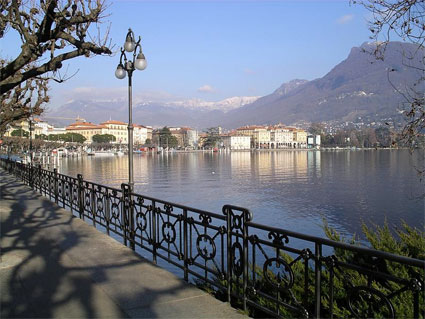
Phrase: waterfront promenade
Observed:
(55, 265)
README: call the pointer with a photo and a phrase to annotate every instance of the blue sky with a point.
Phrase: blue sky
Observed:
(216, 49)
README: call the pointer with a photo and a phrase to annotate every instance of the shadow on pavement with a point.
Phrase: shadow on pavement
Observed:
(54, 265)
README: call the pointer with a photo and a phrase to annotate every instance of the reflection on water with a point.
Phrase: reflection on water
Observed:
(288, 189)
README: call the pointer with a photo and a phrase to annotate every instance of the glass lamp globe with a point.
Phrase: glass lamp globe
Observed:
(120, 72)
(140, 63)
(129, 44)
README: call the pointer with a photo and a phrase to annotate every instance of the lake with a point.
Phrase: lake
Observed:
(291, 189)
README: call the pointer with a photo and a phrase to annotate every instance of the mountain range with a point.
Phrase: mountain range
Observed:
(361, 86)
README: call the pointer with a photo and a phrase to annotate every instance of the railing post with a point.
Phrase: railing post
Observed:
(80, 196)
(55, 172)
(185, 246)
(107, 201)
(318, 283)
(131, 219)
(24, 177)
(416, 304)
(239, 223)
(246, 218)
(39, 179)
(226, 212)
(93, 205)
(154, 243)
(124, 212)
(31, 175)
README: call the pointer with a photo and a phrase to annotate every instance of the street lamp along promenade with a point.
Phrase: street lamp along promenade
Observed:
(128, 66)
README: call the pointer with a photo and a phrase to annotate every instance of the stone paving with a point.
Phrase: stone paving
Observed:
(54, 265)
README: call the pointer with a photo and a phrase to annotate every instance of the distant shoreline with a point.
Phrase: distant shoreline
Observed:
(324, 149)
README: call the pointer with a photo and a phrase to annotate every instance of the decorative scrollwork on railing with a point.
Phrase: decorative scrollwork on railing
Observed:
(75, 193)
(278, 273)
(141, 221)
(67, 193)
(87, 199)
(237, 220)
(237, 260)
(168, 232)
(140, 200)
(206, 247)
(99, 204)
(416, 284)
(205, 219)
(366, 302)
(306, 254)
(253, 239)
(330, 261)
(60, 185)
(115, 211)
(278, 239)
(168, 208)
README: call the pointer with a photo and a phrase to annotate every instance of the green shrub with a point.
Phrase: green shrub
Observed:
(404, 241)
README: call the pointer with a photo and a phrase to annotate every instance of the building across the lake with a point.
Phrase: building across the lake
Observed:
(87, 129)
(274, 137)
(236, 142)
(251, 136)
(186, 137)
(39, 127)
(116, 128)
(313, 141)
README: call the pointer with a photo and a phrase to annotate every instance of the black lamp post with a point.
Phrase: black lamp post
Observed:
(127, 67)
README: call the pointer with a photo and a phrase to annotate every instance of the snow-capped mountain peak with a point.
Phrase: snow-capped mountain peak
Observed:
(223, 105)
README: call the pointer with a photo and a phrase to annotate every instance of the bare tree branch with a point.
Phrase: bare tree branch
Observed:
(51, 31)
(41, 27)
(405, 20)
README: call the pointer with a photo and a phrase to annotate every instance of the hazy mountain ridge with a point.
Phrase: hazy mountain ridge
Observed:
(193, 112)
(358, 86)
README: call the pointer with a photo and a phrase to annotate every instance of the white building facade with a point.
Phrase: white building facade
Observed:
(237, 142)
(140, 134)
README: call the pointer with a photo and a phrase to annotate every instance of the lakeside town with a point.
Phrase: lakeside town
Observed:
(115, 133)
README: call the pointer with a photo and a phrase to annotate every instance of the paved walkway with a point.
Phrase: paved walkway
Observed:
(55, 265)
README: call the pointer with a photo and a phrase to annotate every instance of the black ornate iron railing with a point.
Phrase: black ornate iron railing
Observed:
(272, 271)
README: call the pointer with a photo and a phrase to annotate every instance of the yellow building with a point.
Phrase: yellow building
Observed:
(118, 129)
(24, 125)
(248, 130)
(261, 138)
(300, 138)
(87, 129)
(38, 127)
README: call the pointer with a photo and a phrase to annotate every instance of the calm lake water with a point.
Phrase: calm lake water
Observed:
(288, 189)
